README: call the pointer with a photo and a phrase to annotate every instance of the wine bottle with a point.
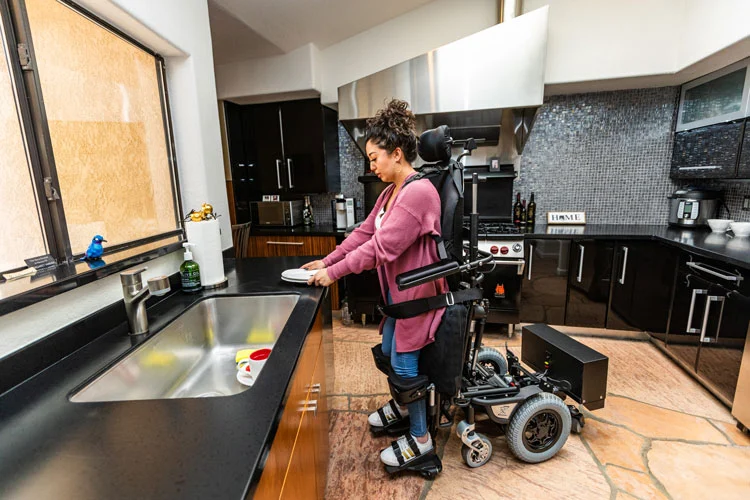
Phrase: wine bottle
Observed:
(517, 210)
(523, 213)
(307, 213)
(531, 212)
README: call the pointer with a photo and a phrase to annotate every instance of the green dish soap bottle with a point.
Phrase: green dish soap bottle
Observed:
(190, 273)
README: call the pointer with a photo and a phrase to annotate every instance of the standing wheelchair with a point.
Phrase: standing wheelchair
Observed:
(457, 371)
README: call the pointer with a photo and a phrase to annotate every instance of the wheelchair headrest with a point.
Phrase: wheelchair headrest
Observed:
(434, 144)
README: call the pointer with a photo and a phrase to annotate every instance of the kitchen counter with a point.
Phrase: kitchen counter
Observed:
(703, 242)
(187, 448)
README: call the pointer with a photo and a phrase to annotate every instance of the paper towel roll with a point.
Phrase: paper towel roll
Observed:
(207, 250)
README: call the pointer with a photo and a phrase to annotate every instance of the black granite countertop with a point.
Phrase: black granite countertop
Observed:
(723, 247)
(314, 230)
(174, 448)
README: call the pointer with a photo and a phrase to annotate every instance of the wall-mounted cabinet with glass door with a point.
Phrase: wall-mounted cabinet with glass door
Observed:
(712, 124)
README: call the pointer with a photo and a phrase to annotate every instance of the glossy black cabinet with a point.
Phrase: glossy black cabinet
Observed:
(709, 152)
(589, 279)
(545, 281)
(743, 167)
(288, 148)
(644, 273)
(709, 321)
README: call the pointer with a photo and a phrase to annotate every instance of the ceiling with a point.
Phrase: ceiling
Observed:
(246, 29)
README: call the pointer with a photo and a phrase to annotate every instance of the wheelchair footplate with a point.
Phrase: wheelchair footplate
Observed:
(428, 465)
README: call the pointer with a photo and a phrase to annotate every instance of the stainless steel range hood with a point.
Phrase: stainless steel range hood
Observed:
(487, 85)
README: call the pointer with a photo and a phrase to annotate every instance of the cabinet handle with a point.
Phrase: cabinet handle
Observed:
(707, 167)
(278, 174)
(580, 264)
(624, 266)
(714, 272)
(531, 259)
(308, 406)
(289, 171)
(292, 243)
(689, 328)
(709, 300)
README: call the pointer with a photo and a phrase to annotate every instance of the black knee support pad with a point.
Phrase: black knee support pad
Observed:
(382, 362)
(408, 390)
(403, 390)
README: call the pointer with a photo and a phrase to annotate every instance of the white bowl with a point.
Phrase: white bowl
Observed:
(740, 229)
(719, 225)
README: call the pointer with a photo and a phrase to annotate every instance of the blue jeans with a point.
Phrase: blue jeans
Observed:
(405, 364)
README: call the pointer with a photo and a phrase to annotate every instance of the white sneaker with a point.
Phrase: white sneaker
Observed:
(404, 450)
(388, 414)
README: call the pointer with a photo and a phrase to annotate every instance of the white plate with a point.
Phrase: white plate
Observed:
(299, 282)
(298, 274)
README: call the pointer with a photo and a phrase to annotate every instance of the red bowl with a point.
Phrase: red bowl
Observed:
(260, 354)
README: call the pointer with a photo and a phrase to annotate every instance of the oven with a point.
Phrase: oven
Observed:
(502, 281)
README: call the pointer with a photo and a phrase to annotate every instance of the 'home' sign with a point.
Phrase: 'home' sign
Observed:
(566, 217)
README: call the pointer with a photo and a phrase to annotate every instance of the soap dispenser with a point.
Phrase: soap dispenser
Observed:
(190, 273)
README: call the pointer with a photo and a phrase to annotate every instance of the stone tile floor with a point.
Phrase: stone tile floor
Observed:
(660, 435)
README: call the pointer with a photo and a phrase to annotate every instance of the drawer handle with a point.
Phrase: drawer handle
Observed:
(709, 300)
(690, 328)
(714, 272)
(311, 405)
(292, 243)
(314, 388)
(707, 167)
(624, 266)
(531, 259)
(580, 264)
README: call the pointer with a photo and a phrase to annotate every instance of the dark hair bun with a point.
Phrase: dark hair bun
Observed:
(393, 127)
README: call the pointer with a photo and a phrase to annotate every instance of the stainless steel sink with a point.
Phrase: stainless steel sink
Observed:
(193, 356)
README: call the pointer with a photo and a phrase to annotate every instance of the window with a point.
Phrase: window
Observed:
(97, 102)
(23, 234)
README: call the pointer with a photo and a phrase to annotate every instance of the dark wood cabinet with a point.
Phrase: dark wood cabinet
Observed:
(589, 278)
(644, 273)
(297, 463)
(545, 281)
(288, 148)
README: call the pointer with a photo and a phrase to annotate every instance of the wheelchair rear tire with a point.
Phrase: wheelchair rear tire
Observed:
(539, 428)
(472, 457)
(492, 358)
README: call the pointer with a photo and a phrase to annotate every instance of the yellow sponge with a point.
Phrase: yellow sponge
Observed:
(260, 336)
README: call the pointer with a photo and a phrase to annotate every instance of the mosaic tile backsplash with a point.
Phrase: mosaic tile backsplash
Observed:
(605, 153)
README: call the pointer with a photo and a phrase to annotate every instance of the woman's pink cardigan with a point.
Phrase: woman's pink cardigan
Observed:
(402, 243)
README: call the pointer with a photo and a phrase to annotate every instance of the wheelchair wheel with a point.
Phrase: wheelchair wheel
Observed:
(491, 358)
(474, 458)
(539, 428)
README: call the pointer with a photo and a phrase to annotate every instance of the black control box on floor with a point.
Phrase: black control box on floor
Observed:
(583, 367)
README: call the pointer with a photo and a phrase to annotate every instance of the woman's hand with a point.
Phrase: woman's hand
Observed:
(316, 264)
(321, 278)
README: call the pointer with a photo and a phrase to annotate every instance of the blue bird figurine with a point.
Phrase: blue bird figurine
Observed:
(95, 249)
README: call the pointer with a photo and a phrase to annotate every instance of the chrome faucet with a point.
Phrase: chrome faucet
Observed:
(135, 295)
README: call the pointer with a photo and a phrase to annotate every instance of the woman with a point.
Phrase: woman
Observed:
(396, 237)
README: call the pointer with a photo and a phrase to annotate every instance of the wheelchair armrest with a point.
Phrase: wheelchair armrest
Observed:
(426, 274)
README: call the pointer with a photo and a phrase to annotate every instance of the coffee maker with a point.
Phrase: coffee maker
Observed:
(343, 211)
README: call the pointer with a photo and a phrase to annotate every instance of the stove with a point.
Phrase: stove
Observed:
(502, 239)
(502, 283)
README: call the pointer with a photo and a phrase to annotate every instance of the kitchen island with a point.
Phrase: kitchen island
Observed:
(213, 447)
